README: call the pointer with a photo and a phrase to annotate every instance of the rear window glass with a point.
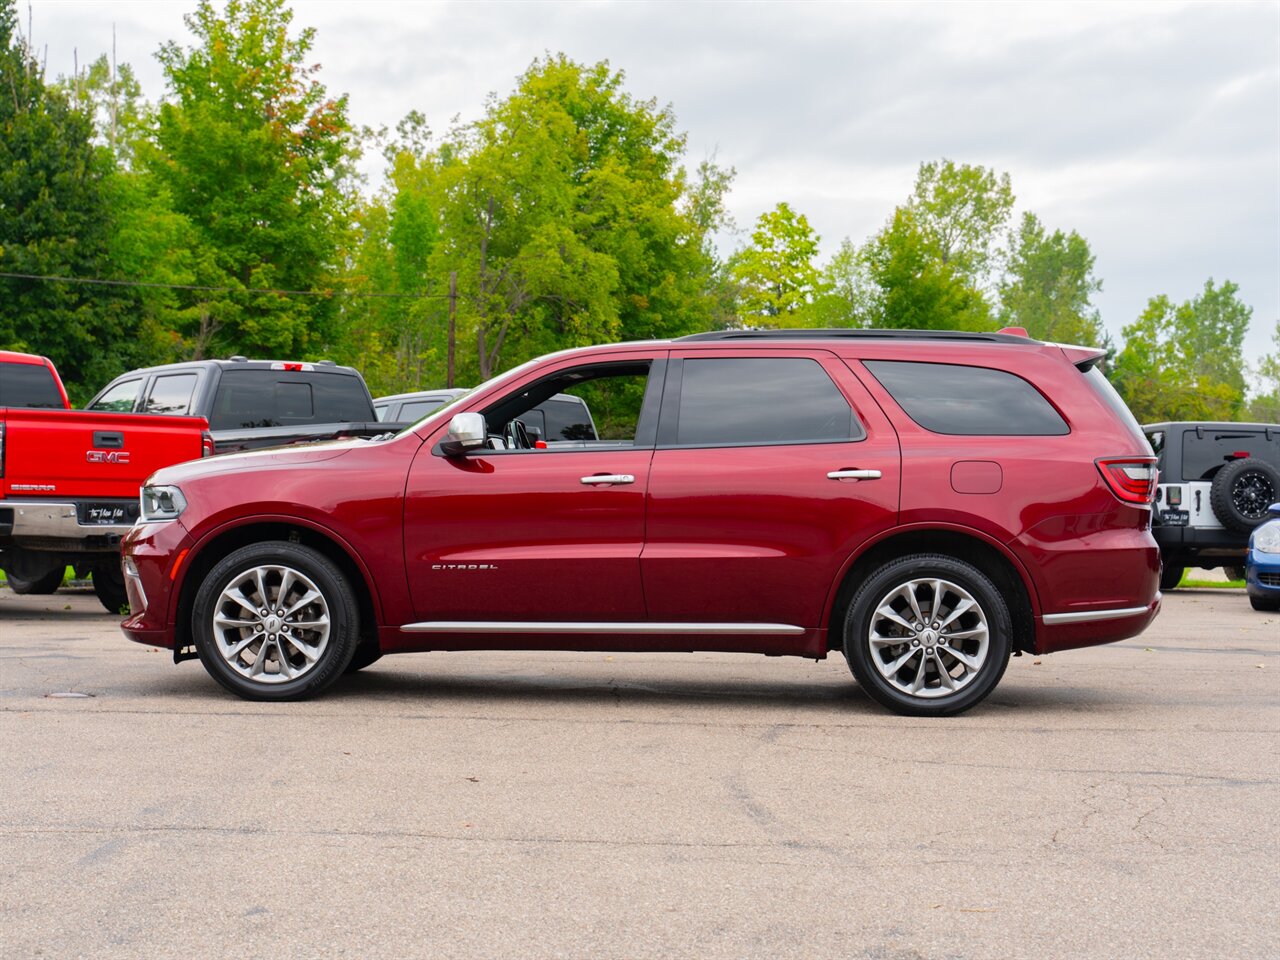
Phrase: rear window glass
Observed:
(1202, 455)
(968, 401)
(252, 398)
(761, 400)
(171, 394)
(120, 398)
(28, 385)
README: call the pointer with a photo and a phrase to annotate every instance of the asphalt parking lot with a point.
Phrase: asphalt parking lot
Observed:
(1119, 801)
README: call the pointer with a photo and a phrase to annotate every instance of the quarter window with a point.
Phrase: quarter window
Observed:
(754, 400)
(968, 401)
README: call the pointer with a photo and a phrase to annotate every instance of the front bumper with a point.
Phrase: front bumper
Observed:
(153, 557)
(1262, 575)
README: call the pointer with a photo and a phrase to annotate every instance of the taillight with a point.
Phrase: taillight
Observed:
(206, 444)
(1131, 480)
(1, 449)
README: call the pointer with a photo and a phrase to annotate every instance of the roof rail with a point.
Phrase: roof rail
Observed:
(845, 333)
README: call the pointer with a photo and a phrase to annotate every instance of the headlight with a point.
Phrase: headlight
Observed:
(162, 503)
(1266, 539)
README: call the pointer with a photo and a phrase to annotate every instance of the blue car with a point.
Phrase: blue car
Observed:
(1262, 565)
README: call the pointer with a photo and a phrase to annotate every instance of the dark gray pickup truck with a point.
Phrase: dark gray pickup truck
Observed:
(251, 403)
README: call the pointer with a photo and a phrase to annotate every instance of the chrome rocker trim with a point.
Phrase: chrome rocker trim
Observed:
(1090, 616)
(543, 626)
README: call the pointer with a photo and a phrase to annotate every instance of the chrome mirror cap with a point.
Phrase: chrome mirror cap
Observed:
(467, 431)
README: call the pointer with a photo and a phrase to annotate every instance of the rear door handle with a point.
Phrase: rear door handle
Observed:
(603, 478)
(854, 475)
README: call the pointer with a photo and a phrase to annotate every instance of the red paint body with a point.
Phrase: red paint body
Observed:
(746, 534)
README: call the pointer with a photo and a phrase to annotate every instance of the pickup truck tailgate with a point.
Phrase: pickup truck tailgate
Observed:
(73, 453)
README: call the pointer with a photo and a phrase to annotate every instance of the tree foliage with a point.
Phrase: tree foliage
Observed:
(1185, 361)
(778, 280)
(55, 220)
(254, 154)
(1048, 285)
(1265, 407)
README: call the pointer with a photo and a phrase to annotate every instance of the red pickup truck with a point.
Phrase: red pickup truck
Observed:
(69, 479)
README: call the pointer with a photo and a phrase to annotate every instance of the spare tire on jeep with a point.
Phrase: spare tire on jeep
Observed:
(1242, 491)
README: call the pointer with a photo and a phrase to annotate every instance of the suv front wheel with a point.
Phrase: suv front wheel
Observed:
(928, 635)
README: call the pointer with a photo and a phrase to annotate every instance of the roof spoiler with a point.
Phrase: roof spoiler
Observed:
(1084, 358)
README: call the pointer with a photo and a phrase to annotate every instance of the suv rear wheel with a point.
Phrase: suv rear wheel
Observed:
(928, 635)
(275, 621)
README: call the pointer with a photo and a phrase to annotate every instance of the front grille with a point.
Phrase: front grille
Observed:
(1269, 579)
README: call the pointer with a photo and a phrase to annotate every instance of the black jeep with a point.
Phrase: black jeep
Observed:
(1216, 482)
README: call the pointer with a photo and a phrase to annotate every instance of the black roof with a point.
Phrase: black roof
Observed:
(845, 333)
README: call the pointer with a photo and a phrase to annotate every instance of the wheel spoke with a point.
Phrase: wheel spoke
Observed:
(909, 591)
(892, 668)
(309, 597)
(969, 663)
(946, 679)
(233, 651)
(888, 613)
(960, 609)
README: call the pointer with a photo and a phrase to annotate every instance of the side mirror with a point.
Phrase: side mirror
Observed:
(467, 431)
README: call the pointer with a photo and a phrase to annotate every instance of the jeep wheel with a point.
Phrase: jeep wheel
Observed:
(1241, 493)
(275, 621)
(928, 636)
(1171, 576)
(1234, 573)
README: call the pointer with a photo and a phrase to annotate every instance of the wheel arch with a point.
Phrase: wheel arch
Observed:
(219, 543)
(971, 546)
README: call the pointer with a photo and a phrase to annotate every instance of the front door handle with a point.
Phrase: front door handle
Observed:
(609, 478)
(854, 475)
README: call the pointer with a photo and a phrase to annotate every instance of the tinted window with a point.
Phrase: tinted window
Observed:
(1203, 455)
(947, 398)
(120, 398)
(254, 398)
(171, 395)
(1102, 386)
(381, 410)
(568, 420)
(417, 409)
(28, 385)
(761, 400)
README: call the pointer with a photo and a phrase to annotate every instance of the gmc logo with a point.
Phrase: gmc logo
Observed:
(107, 456)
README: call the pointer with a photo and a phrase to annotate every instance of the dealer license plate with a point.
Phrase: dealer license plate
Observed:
(1175, 518)
(108, 514)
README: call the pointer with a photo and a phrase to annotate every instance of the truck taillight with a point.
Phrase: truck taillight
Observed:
(1, 449)
(1132, 480)
(206, 444)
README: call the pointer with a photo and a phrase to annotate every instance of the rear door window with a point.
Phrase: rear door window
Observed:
(759, 400)
(171, 394)
(28, 385)
(1205, 451)
(119, 399)
(968, 401)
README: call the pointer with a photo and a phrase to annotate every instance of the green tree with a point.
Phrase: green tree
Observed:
(777, 278)
(1185, 361)
(256, 156)
(846, 295)
(934, 260)
(568, 219)
(55, 221)
(1048, 285)
(1265, 406)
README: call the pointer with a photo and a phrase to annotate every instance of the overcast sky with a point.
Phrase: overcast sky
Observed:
(1152, 129)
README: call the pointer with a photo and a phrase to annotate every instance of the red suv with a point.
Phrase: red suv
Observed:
(924, 502)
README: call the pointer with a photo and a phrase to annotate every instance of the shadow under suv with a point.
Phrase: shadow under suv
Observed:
(925, 503)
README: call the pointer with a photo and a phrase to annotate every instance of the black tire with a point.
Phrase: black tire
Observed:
(50, 582)
(1234, 573)
(286, 664)
(867, 659)
(365, 656)
(1241, 493)
(108, 585)
(1171, 576)
(1269, 606)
